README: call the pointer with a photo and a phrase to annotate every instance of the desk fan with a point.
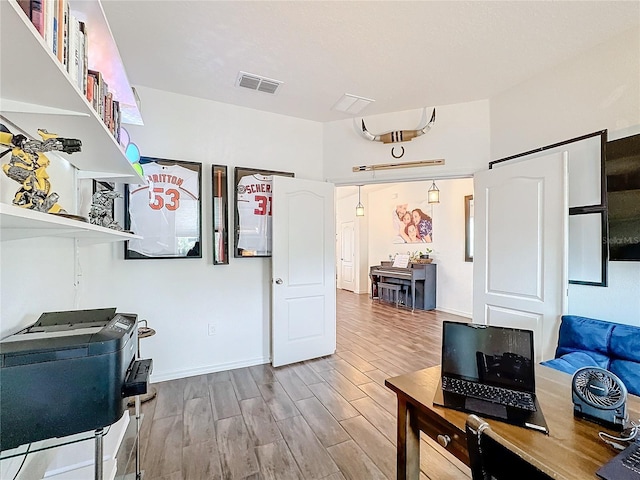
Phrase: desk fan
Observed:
(599, 396)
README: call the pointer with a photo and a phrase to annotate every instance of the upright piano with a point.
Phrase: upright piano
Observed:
(419, 278)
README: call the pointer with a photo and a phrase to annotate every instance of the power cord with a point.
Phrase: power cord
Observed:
(613, 441)
(23, 460)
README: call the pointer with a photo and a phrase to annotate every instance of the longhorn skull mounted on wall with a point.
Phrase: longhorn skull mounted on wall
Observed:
(398, 136)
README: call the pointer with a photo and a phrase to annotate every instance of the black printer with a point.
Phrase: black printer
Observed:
(69, 372)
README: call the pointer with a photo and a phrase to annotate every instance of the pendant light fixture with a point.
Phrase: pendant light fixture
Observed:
(359, 207)
(433, 195)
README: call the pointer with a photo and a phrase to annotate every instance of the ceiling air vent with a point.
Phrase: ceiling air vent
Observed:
(256, 82)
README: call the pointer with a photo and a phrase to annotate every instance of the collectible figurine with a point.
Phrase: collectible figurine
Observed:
(102, 208)
(28, 165)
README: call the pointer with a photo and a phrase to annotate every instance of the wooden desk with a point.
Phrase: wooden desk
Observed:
(572, 450)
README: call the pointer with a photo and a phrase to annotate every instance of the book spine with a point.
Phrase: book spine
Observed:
(37, 17)
(54, 27)
(108, 110)
(80, 79)
(95, 92)
(116, 116)
(60, 30)
(90, 89)
(84, 40)
(33, 10)
(48, 23)
(72, 66)
(104, 88)
(65, 34)
(25, 5)
(97, 88)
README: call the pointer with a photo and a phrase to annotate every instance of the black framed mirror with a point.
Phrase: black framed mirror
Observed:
(220, 215)
(468, 228)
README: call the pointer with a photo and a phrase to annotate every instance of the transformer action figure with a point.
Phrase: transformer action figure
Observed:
(102, 208)
(28, 165)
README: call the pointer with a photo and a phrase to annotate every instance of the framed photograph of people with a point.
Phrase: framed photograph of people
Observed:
(166, 212)
(412, 222)
(220, 215)
(253, 209)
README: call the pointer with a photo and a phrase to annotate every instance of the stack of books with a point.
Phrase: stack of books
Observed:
(67, 38)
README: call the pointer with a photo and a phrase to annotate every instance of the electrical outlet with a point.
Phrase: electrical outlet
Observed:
(212, 329)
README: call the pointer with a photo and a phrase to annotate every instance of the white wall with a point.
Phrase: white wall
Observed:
(36, 276)
(179, 297)
(460, 136)
(597, 90)
(455, 276)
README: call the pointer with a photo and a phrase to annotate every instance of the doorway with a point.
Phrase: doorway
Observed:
(346, 256)
(376, 235)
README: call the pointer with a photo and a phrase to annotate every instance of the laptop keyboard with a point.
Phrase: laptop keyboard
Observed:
(632, 461)
(503, 396)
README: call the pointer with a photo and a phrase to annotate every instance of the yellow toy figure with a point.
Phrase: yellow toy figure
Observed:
(28, 166)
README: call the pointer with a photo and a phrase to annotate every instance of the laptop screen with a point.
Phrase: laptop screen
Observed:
(496, 356)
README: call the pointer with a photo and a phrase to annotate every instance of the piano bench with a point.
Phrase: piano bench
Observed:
(390, 291)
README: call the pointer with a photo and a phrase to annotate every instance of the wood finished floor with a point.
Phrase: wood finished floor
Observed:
(330, 418)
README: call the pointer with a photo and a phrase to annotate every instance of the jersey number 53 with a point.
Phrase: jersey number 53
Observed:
(169, 198)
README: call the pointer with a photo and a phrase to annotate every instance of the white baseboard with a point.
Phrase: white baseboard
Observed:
(191, 372)
(455, 312)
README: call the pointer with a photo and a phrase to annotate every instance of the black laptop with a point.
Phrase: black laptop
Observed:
(624, 466)
(489, 371)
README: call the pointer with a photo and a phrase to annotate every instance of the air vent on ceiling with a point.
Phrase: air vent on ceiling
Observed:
(353, 104)
(256, 82)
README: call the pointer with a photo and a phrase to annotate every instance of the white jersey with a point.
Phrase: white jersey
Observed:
(254, 212)
(165, 212)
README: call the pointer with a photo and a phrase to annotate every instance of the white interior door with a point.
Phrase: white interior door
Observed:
(520, 261)
(303, 298)
(347, 257)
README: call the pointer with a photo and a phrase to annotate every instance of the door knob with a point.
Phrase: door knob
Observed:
(278, 281)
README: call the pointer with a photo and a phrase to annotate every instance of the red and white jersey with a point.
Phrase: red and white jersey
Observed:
(165, 212)
(254, 211)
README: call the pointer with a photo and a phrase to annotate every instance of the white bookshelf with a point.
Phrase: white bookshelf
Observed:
(19, 223)
(37, 92)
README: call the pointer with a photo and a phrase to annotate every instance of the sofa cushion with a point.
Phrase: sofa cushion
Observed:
(625, 343)
(571, 362)
(584, 342)
(583, 334)
(628, 372)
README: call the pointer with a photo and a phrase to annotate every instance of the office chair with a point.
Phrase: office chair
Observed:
(491, 459)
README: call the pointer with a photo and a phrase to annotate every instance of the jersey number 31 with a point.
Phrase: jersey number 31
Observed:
(264, 205)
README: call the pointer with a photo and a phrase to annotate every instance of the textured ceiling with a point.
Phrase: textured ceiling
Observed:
(405, 55)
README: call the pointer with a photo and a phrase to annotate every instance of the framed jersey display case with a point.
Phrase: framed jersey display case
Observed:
(252, 224)
(166, 212)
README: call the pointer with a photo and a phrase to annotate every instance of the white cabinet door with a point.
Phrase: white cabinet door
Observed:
(520, 261)
(303, 320)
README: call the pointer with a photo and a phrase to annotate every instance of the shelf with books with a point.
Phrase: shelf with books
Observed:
(20, 223)
(37, 91)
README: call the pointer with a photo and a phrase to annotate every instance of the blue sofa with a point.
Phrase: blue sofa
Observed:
(587, 342)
